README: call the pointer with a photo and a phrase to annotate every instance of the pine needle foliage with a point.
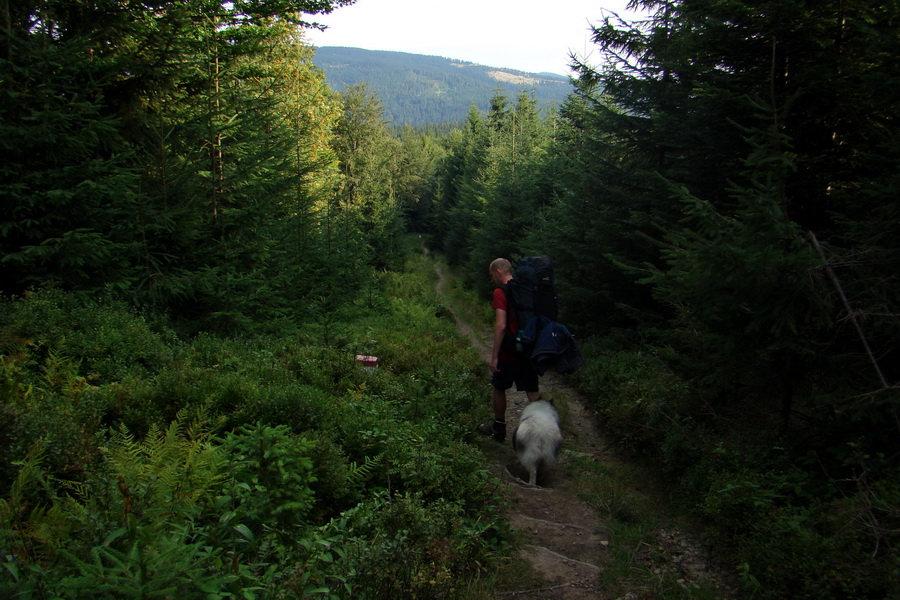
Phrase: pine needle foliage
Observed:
(270, 477)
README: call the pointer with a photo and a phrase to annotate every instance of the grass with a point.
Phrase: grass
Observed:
(650, 539)
(517, 574)
(471, 307)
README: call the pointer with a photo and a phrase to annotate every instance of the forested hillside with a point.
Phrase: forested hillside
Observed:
(422, 90)
(198, 236)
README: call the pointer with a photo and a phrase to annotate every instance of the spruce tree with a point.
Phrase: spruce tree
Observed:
(149, 150)
(461, 204)
(685, 91)
(66, 186)
(370, 160)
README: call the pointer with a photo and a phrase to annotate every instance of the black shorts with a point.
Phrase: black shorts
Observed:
(522, 374)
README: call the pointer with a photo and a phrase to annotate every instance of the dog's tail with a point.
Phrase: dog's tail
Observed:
(537, 455)
(548, 461)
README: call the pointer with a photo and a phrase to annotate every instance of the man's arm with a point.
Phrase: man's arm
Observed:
(499, 334)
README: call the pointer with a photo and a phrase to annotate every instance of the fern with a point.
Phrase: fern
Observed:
(29, 475)
(170, 565)
(358, 473)
(32, 527)
(168, 473)
(29, 517)
(132, 530)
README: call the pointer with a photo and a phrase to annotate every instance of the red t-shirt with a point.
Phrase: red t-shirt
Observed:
(512, 325)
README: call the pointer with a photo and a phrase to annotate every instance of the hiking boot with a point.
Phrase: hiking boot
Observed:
(495, 429)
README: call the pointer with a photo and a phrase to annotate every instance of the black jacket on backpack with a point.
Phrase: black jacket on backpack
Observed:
(552, 345)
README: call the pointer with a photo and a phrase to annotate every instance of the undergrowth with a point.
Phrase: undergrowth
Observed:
(795, 517)
(138, 463)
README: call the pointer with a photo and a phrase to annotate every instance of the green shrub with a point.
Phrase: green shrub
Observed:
(314, 365)
(321, 470)
(337, 483)
(109, 339)
(738, 498)
(794, 549)
(55, 405)
(72, 367)
(430, 463)
(173, 514)
(298, 406)
(791, 512)
(269, 479)
(70, 427)
(126, 531)
(417, 549)
(643, 404)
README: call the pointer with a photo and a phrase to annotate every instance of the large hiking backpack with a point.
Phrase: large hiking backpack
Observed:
(545, 342)
(532, 290)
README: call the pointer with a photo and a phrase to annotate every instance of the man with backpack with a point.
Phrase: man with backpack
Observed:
(508, 367)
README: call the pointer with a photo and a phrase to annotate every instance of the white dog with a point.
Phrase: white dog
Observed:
(537, 438)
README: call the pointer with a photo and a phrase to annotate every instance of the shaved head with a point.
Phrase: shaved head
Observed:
(502, 264)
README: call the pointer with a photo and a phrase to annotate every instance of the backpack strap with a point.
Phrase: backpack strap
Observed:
(520, 295)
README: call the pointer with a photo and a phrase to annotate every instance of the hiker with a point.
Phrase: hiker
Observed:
(507, 366)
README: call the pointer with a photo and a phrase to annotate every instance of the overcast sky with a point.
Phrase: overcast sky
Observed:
(528, 35)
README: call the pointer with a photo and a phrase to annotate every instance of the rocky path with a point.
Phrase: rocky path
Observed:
(565, 543)
(565, 540)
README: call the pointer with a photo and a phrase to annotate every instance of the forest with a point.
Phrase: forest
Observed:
(420, 90)
(197, 236)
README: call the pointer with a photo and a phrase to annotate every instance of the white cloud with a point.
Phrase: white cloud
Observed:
(528, 35)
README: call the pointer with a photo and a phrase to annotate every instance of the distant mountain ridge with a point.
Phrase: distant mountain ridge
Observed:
(420, 90)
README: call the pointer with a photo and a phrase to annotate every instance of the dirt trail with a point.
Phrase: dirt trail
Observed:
(566, 545)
